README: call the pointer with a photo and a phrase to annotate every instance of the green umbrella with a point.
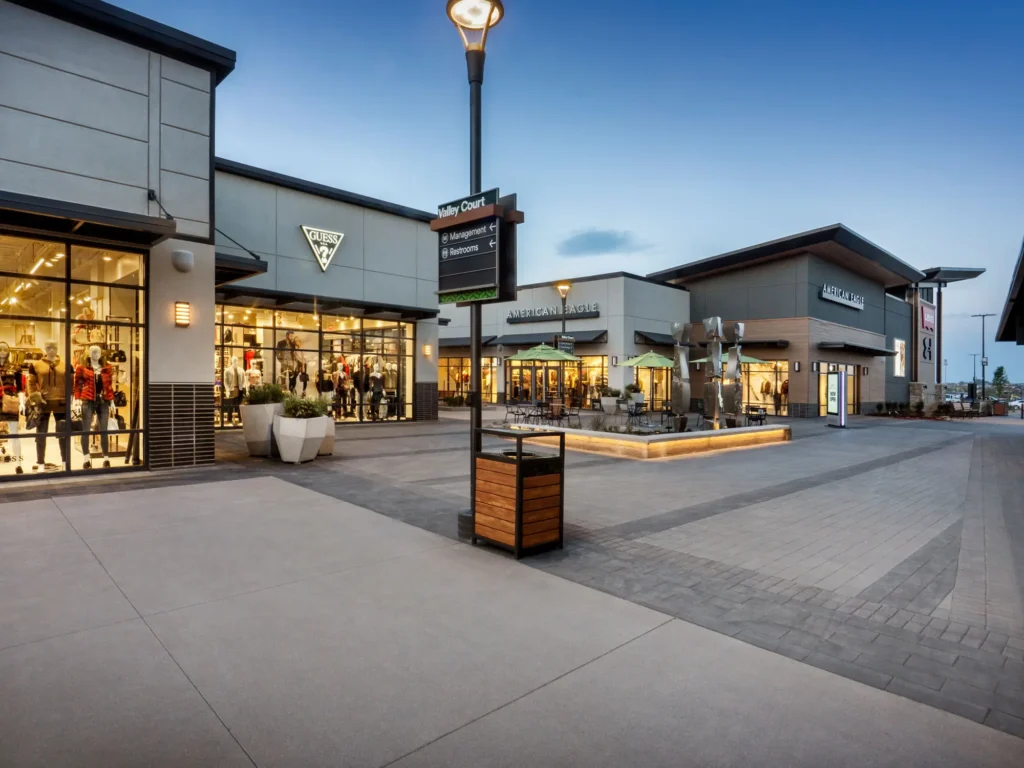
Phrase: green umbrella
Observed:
(648, 360)
(743, 359)
(544, 353)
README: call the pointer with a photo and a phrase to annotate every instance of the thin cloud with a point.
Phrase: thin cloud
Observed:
(598, 242)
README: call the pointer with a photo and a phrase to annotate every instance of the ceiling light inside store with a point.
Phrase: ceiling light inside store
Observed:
(107, 258)
(58, 256)
(37, 266)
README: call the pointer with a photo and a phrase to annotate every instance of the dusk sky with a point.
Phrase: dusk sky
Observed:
(640, 136)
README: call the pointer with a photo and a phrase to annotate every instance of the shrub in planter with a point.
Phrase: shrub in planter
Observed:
(597, 422)
(258, 409)
(609, 398)
(879, 408)
(919, 408)
(302, 429)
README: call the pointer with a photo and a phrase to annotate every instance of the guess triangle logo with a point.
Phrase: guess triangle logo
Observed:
(324, 244)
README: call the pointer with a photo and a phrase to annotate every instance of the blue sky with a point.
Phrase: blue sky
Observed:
(643, 135)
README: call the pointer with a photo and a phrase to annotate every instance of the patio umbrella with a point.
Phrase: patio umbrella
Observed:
(648, 360)
(544, 353)
(743, 359)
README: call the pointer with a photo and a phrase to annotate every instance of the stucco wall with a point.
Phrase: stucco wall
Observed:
(181, 355)
(92, 120)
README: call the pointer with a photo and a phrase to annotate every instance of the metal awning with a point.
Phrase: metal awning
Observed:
(778, 343)
(229, 268)
(532, 339)
(656, 339)
(255, 298)
(85, 221)
(857, 349)
(459, 341)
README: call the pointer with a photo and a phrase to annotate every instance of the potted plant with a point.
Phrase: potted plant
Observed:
(300, 430)
(258, 409)
(635, 393)
(609, 398)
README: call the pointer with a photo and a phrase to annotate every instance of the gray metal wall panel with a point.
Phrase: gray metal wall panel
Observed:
(42, 182)
(389, 244)
(871, 318)
(184, 107)
(70, 48)
(296, 208)
(185, 197)
(426, 254)
(389, 289)
(186, 74)
(184, 152)
(49, 143)
(247, 211)
(898, 319)
(49, 92)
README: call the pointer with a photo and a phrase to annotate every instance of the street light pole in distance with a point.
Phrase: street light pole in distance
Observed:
(984, 360)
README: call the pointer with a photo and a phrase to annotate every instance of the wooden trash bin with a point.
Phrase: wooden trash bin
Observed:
(518, 497)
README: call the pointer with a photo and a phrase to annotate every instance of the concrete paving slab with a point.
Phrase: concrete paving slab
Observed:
(33, 523)
(50, 590)
(105, 697)
(685, 696)
(359, 668)
(232, 538)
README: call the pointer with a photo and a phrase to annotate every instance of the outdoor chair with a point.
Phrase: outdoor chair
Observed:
(635, 413)
(556, 413)
(514, 411)
(573, 412)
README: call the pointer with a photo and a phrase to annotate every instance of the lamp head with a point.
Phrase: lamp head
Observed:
(473, 18)
(563, 289)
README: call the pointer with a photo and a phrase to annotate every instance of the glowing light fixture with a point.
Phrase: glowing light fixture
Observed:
(427, 350)
(563, 289)
(182, 314)
(37, 266)
(473, 18)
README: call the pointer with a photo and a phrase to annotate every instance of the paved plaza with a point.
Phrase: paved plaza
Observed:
(748, 607)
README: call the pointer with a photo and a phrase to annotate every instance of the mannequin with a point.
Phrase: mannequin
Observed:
(234, 383)
(254, 376)
(46, 378)
(94, 386)
(376, 392)
(11, 389)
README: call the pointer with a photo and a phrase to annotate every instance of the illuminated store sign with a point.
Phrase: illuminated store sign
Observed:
(842, 296)
(900, 360)
(324, 244)
(927, 318)
(542, 314)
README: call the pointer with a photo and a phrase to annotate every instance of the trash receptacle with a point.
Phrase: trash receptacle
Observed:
(518, 496)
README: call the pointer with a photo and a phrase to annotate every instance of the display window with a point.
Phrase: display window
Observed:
(453, 375)
(593, 379)
(767, 385)
(72, 336)
(534, 382)
(656, 384)
(366, 368)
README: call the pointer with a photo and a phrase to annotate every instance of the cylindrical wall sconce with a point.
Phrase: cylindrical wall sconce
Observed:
(182, 314)
(796, 366)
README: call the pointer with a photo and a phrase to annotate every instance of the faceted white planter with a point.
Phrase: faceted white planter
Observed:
(609, 405)
(327, 446)
(258, 427)
(298, 440)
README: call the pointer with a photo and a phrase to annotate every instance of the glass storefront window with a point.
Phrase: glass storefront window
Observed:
(58, 337)
(656, 384)
(364, 367)
(527, 381)
(453, 379)
(852, 386)
(767, 385)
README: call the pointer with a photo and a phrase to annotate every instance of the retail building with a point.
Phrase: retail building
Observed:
(609, 318)
(821, 301)
(145, 283)
(1011, 320)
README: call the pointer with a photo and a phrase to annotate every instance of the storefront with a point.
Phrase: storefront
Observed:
(453, 379)
(821, 301)
(610, 318)
(129, 254)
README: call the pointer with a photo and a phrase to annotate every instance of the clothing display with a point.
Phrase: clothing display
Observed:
(12, 391)
(92, 384)
(234, 380)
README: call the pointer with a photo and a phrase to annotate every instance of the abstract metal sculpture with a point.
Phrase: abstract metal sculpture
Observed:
(732, 387)
(681, 372)
(713, 405)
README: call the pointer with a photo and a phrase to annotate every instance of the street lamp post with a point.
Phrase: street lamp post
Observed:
(473, 19)
(984, 360)
(563, 291)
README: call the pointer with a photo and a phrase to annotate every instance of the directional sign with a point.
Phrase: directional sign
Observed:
(467, 204)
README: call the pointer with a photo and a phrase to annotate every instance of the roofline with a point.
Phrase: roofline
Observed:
(840, 233)
(1004, 333)
(137, 30)
(605, 276)
(951, 274)
(320, 190)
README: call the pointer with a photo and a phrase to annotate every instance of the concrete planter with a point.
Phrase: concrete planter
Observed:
(258, 427)
(609, 405)
(327, 446)
(638, 397)
(299, 440)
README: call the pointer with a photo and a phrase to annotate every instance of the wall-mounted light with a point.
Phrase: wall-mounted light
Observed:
(182, 314)
(796, 366)
(615, 360)
(427, 350)
(865, 371)
(814, 367)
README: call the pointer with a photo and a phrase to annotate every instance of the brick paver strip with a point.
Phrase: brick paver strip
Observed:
(678, 517)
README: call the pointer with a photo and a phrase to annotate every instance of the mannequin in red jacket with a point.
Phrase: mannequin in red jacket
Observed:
(94, 386)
